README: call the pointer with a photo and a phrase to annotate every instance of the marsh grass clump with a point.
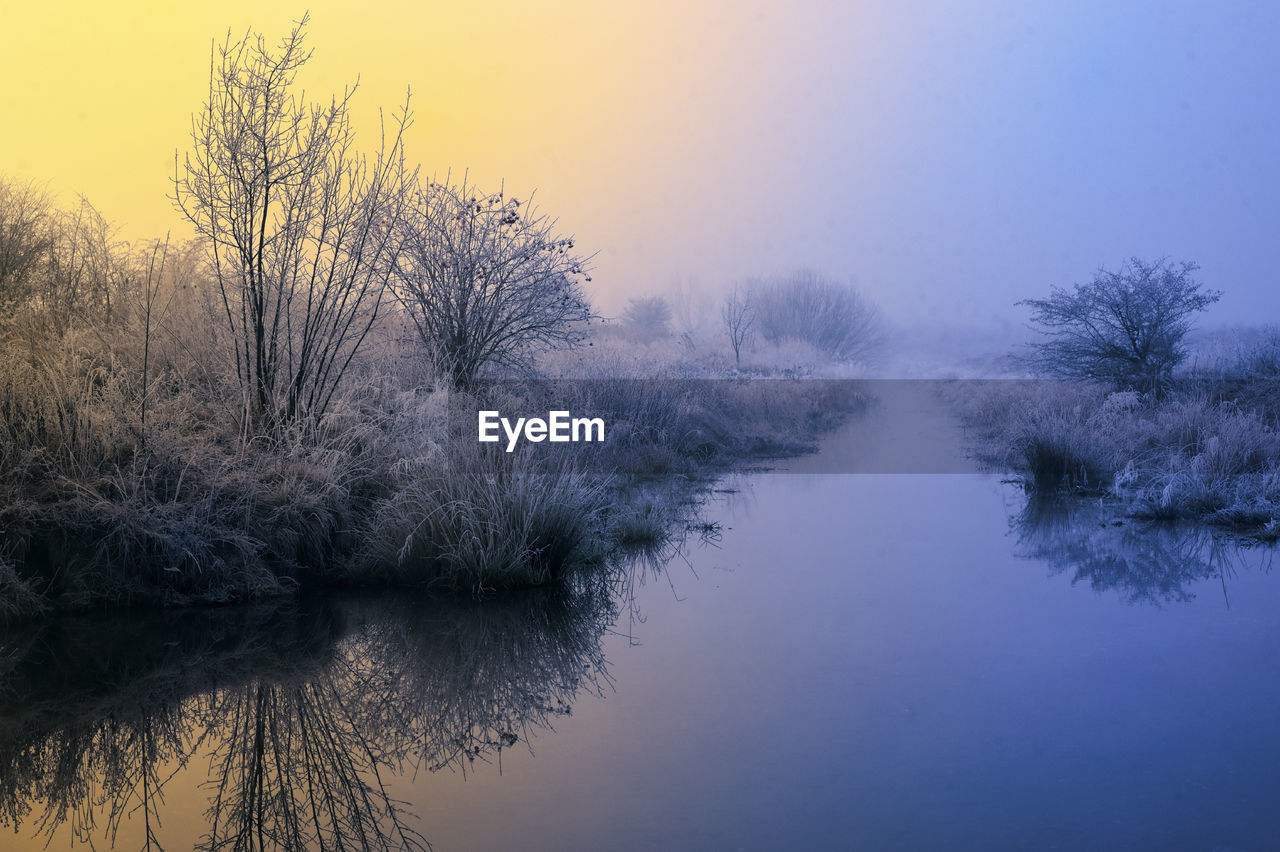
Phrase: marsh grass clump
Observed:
(1053, 459)
(1244, 368)
(1184, 454)
(644, 525)
(486, 521)
(99, 511)
(693, 427)
(97, 507)
(1059, 436)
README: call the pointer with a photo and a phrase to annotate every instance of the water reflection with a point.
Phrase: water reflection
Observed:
(292, 715)
(1143, 562)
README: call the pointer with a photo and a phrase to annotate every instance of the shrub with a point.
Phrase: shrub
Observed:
(487, 280)
(1181, 456)
(834, 318)
(647, 319)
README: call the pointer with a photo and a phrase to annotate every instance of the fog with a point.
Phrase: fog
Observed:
(850, 526)
(950, 159)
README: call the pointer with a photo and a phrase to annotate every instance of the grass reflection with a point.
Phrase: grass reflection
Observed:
(299, 714)
(1142, 561)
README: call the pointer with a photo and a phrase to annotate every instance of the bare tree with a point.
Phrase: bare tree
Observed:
(301, 227)
(84, 269)
(152, 313)
(487, 281)
(738, 316)
(1125, 326)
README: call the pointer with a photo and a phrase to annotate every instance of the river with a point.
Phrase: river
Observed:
(829, 661)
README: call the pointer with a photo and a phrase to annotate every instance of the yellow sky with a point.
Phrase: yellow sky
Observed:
(953, 157)
(624, 116)
(99, 97)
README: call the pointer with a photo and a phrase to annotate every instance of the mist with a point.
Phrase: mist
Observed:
(840, 425)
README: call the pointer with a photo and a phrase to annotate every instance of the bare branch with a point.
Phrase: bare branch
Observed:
(301, 227)
(487, 281)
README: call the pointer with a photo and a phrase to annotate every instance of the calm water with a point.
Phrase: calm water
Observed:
(859, 661)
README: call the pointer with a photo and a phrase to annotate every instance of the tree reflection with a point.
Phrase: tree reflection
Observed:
(96, 713)
(1143, 562)
(301, 712)
(293, 768)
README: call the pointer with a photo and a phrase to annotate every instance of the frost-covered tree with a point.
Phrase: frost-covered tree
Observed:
(1125, 326)
(57, 267)
(738, 316)
(487, 280)
(831, 316)
(301, 226)
(26, 238)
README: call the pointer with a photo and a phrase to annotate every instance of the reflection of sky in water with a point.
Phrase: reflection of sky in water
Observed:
(866, 661)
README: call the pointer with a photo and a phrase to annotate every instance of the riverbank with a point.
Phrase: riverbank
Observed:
(101, 509)
(1205, 450)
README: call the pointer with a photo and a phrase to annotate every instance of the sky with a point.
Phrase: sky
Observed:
(951, 158)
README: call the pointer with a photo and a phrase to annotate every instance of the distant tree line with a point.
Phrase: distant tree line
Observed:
(831, 316)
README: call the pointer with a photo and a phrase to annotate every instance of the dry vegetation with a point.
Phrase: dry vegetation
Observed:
(266, 407)
(1127, 417)
(97, 507)
(136, 469)
(1207, 448)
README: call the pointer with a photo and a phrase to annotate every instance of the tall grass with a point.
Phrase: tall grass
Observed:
(1209, 452)
(92, 513)
(694, 427)
(486, 521)
(95, 509)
